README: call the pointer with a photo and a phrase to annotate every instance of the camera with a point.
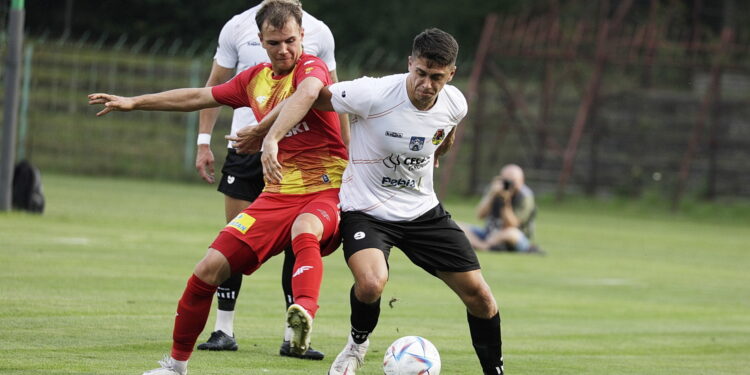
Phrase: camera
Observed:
(507, 184)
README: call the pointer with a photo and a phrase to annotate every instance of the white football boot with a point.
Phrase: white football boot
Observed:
(350, 359)
(168, 367)
(301, 323)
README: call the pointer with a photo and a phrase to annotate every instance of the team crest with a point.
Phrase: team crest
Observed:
(438, 137)
(416, 143)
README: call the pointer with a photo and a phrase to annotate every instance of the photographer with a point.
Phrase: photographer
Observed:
(509, 210)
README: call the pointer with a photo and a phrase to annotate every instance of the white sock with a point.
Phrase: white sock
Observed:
(179, 366)
(225, 322)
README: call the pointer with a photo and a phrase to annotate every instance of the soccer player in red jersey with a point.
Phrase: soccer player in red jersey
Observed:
(300, 207)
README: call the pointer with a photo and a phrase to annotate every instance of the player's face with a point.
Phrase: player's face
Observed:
(425, 81)
(284, 46)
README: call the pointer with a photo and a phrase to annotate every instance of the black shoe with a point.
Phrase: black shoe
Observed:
(309, 354)
(219, 341)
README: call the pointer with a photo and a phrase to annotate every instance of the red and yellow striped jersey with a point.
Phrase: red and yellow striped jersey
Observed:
(312, 154)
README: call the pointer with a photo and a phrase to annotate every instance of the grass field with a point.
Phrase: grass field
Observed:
(91, 286)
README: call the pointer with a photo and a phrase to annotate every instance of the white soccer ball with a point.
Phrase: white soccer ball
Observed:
(411, 355)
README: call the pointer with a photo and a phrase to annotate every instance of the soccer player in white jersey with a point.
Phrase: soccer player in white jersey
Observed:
(242, 176)
(400, 125)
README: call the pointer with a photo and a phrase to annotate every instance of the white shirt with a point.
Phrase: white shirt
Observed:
(240, 48)
(392, 146)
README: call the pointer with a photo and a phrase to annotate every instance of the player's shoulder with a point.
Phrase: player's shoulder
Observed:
(307, 59)
(242, 20)
(455, 102)
(312, 25)
(385, 84)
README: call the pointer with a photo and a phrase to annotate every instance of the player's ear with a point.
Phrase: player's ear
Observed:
(410, 60)
(452, 73)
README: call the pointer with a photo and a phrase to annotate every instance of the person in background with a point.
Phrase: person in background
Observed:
(239, 48)
(509, 210)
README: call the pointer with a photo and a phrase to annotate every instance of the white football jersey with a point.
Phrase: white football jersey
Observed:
(240, 48)
(392, 147)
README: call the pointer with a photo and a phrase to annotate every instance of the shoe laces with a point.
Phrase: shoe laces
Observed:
(167, 363)
(354, 352)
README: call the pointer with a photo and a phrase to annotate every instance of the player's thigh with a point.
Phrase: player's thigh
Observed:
(234, 206)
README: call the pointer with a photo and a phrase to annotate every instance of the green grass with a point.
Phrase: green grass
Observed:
(627, 288)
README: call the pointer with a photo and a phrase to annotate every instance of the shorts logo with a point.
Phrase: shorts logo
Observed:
(242, 222)
(416, 143)
(438, 137)
(308, 70)
(230, 180)
(324, 214)
(359, 235)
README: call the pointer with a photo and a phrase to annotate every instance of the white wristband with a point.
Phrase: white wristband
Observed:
(204, 139)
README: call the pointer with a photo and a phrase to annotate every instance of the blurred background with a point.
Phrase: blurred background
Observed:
(628, 98)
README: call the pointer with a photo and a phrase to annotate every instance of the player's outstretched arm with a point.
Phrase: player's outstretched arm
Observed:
(294, 110)
(183, 100)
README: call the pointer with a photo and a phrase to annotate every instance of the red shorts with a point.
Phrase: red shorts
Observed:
(264, 229)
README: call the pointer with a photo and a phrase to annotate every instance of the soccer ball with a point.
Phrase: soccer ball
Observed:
(411, 355)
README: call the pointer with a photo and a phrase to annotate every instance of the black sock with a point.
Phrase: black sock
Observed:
(228, 292)
(287, 271)
(487, 341)
(364, 317)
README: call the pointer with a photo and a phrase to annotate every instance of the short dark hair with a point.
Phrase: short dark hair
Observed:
(277, 13)
(437, 46)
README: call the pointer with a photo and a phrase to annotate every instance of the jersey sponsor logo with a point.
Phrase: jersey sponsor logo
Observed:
(359, 235)
(325, 178)
(416, 143)
(394, 134)
(253, 43)
(242, 222)
(410, 163)
(299, 128)
(301, 270)
(438, 137)
(398, 182)
(261, 99)
(230, 180)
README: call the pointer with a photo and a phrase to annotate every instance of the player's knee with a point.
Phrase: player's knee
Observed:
(307, 223)
(369, 288)
(213, 269)
(480, 301)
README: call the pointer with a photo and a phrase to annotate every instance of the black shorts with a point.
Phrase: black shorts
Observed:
(242, 176)
(432, 241)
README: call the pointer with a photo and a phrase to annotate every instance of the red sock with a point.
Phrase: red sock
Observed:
(192, 313)
(308, 272)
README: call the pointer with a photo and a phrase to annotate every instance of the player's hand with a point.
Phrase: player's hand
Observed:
(111, 103)
(204, 163)
(248, 140)
(269, 159)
